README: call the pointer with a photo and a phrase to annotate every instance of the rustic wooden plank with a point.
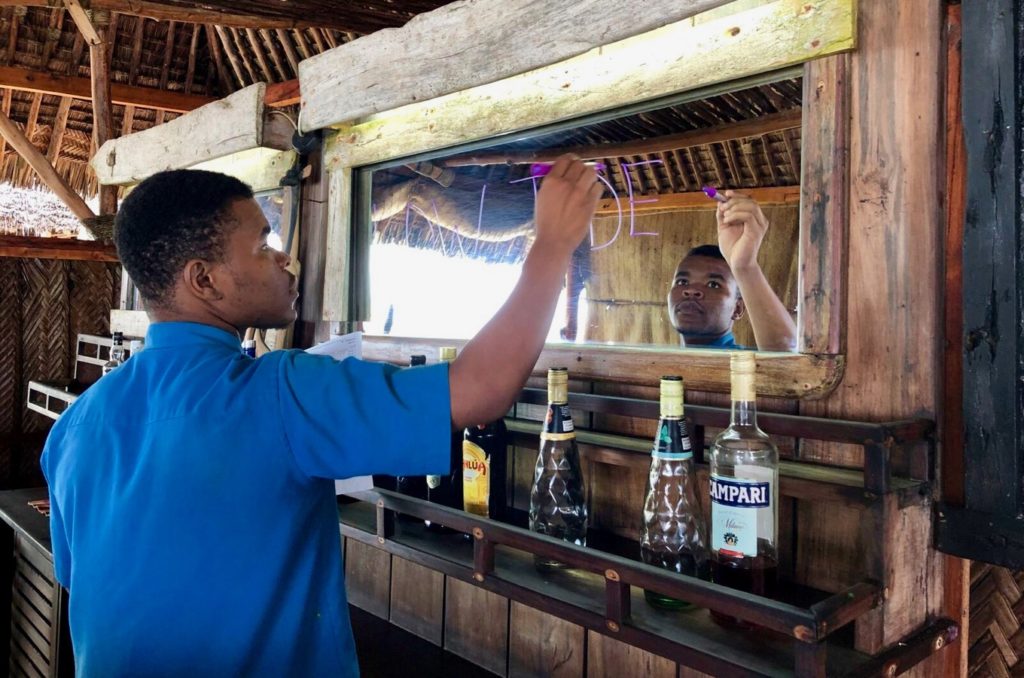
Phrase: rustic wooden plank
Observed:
(675, 58)
(610, 658)
(60, 124)
(17, 139)
(991, 342)
(778, 374)
(824, 204)
(226, 126)
(337, 267)
(427, 58)
(56, 248)
(280, 94)
(417, 599)
(541, 644)
(368, 578)
(476, 625)
(80, 88)
(893, 270)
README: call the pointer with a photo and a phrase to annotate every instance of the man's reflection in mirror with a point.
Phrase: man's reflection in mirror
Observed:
(715, 285)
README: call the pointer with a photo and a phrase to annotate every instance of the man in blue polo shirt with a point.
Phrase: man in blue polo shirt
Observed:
(715, 285)
(193, 516)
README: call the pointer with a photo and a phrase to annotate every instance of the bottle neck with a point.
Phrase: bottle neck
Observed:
(744, 413)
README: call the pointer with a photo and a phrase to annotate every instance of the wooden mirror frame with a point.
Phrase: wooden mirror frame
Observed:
(680, 57)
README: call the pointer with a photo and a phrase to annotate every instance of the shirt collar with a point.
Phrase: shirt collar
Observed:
(173, 334)
(727, 340)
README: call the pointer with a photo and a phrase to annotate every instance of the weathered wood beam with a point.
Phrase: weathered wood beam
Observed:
(190, 69)
(300, 41)
(236, 39)
(275, 55)
(213, 45)
(37, 161)
(60, 124)
(236, 67)
(289, 50)
(5, 108)
(56, 248)
(463, 45)
(52, 37)
(720, 133)
(238, 122)
(80, 88)
(82, 21)
(12, 37)
(227, 13)
(102, 110)
(261, 58)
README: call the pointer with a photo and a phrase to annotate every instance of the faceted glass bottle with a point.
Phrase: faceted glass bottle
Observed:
(447, 489)
(558, 506)
(744, 495)
(673, 534)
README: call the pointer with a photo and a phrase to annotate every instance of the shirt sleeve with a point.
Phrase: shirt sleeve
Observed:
(58, 535)
(349, 418)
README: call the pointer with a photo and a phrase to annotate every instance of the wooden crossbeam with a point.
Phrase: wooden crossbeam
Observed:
(774, 122)
(81, 88)
(56, 248)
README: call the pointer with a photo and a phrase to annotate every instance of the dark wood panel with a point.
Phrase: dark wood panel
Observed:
(541, 644)
(476, 625)
(417, 599)
(21, 664)
(610, 658)
(368, 577)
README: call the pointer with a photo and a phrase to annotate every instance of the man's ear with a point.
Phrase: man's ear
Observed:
(740, 309)
(199, 280)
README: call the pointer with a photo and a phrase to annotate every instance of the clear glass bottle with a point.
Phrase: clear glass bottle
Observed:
(447, 489)
(744, 495)
(558, 505)
(673, 534)
(116, 357)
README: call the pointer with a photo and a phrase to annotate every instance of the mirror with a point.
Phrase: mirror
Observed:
(450, 231)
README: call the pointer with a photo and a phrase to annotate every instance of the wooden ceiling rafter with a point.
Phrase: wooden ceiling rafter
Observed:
(289, 49)
(165, 65)
(275, 55)
(236, 66)
(373, 15)
(213, 44)
(261, 58)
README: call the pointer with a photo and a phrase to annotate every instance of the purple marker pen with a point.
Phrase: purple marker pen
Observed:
(539, 169)
(712, 192)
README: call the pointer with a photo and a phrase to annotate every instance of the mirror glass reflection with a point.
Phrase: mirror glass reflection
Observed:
(449, 235)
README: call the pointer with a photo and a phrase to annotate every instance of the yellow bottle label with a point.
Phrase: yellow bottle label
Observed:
(476, 478)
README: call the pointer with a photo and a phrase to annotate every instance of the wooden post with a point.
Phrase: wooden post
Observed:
(103, 117)
(19, 142)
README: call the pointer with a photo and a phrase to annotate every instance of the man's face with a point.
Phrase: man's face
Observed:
(703, 300)
(260, 292)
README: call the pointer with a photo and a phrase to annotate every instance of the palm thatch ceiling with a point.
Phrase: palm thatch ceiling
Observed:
(161, 50)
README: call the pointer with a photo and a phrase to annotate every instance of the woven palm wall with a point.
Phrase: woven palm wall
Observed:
(996, 634)
(44, 305)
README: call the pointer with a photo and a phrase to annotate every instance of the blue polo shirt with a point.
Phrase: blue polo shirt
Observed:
(194, 519)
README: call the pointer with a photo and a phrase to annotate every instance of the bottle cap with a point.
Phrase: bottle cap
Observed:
(417, 360)
(249, 343)
(671, 396)
(448, 353)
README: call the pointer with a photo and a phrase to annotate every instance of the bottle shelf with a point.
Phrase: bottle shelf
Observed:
(802, 635)
(51, 398)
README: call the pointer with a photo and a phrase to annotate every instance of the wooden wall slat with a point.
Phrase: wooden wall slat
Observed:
(476, 625)
(610, 658)
(417, 599)
(368, 577)
(541, 644)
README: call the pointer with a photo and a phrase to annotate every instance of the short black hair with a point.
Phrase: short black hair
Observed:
(170, 218)
(712, 251)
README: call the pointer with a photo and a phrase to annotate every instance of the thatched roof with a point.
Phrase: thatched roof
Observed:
(166, 55)
(35, 212)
